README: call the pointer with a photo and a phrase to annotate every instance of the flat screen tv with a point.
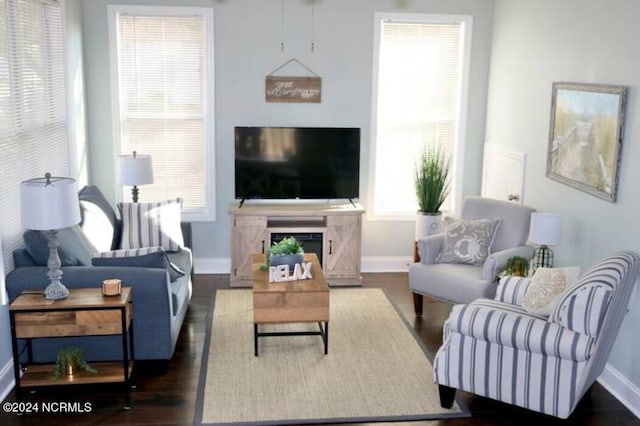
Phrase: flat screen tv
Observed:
(297, 163)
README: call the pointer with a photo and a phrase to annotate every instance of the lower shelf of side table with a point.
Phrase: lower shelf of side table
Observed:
(108, 372)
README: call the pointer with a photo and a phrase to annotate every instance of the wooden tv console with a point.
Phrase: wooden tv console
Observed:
(340, 225)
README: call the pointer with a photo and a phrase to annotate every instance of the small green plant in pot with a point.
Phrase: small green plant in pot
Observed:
(69, 361)
(432, 188)
(517, 266)
(287, 251)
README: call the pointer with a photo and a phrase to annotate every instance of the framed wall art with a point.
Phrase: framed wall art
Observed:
(585, 137)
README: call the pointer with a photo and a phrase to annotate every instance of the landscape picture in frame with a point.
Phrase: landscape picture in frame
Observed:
(585, 137)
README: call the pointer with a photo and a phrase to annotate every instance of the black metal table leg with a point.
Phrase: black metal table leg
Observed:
(132, 355)
(323, 333)
(125, 358)
(16, 356)
(326, 337)
(255, 339)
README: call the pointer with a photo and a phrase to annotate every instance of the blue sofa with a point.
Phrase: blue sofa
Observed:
(160, 292)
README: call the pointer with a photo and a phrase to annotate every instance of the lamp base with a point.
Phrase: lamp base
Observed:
(134, 193)
(56, 291)
(542, 258)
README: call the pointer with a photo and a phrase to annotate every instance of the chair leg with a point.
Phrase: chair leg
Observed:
(447, 395)
(417, 304)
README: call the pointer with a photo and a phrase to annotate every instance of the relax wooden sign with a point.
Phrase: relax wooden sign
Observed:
(280, 273)
(293, 89)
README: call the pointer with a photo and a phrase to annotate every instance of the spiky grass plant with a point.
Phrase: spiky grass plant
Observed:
(432, 179)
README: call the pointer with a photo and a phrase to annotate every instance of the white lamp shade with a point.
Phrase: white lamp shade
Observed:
(49, 203)
(135, 169)
(545, 228)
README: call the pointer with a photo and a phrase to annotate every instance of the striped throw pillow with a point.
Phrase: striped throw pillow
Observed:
(145, 257)
(127, 252)
(151, 224)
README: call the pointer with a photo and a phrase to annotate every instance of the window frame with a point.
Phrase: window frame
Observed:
(457, 164)
(11, 230)
(208, 212)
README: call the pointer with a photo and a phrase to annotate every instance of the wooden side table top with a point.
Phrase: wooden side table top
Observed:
(84, 312)
(79, 298)
(261, 278)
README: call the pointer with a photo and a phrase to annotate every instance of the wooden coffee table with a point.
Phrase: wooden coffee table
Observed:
(297, 301)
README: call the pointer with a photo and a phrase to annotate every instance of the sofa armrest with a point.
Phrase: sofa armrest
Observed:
(429, 247)
(497, 261)
(503, 325)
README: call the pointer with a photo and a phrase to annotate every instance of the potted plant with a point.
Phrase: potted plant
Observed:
(287, 251)
(517, 266)
(69, 361)
(432, 188)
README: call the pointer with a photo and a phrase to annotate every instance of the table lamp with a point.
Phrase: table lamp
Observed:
(134, 170)
(49, 204)
(545, 231)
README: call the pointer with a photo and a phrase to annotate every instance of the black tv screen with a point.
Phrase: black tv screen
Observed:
(297, 162)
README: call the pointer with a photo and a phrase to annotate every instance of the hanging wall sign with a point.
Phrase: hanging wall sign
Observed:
(293, 89)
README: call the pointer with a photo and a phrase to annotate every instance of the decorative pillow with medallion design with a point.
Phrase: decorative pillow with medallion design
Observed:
(468, 241)
(542, 295)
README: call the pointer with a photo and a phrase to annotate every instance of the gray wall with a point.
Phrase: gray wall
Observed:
(247, 48)
(537, 42)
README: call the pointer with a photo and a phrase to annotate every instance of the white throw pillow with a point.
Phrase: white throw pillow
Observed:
(96, 226)
(151, 224)
(544, 291)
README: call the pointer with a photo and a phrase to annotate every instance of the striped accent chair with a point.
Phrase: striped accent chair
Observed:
(494, 348)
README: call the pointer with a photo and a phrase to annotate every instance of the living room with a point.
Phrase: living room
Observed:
(519, 48)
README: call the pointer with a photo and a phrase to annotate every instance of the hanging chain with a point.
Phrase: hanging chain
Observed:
(282, 26)
(313, 25)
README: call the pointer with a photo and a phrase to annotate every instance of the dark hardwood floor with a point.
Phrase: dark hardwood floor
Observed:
(166, 394)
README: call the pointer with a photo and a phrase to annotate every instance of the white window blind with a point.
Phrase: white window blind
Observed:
(163, 76)
(418, 93)
(33, 122)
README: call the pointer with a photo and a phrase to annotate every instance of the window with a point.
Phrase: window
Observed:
(420, 78)
(33, 121)
(162, 60)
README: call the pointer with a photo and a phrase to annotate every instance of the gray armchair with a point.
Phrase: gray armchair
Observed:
(462, 283)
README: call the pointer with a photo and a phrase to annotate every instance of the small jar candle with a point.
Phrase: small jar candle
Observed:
(111, 287)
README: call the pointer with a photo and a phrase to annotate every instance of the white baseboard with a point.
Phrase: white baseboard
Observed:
(7, 380)
(385, 263)
(621, 388)
(219, 265)
(208, 265)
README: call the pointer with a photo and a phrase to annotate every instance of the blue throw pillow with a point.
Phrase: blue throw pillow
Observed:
(74, 248)
(151, 257)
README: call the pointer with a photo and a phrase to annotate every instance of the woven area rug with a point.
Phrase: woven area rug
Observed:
(376, 369)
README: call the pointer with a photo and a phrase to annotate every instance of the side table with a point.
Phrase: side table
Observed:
(85, 312)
